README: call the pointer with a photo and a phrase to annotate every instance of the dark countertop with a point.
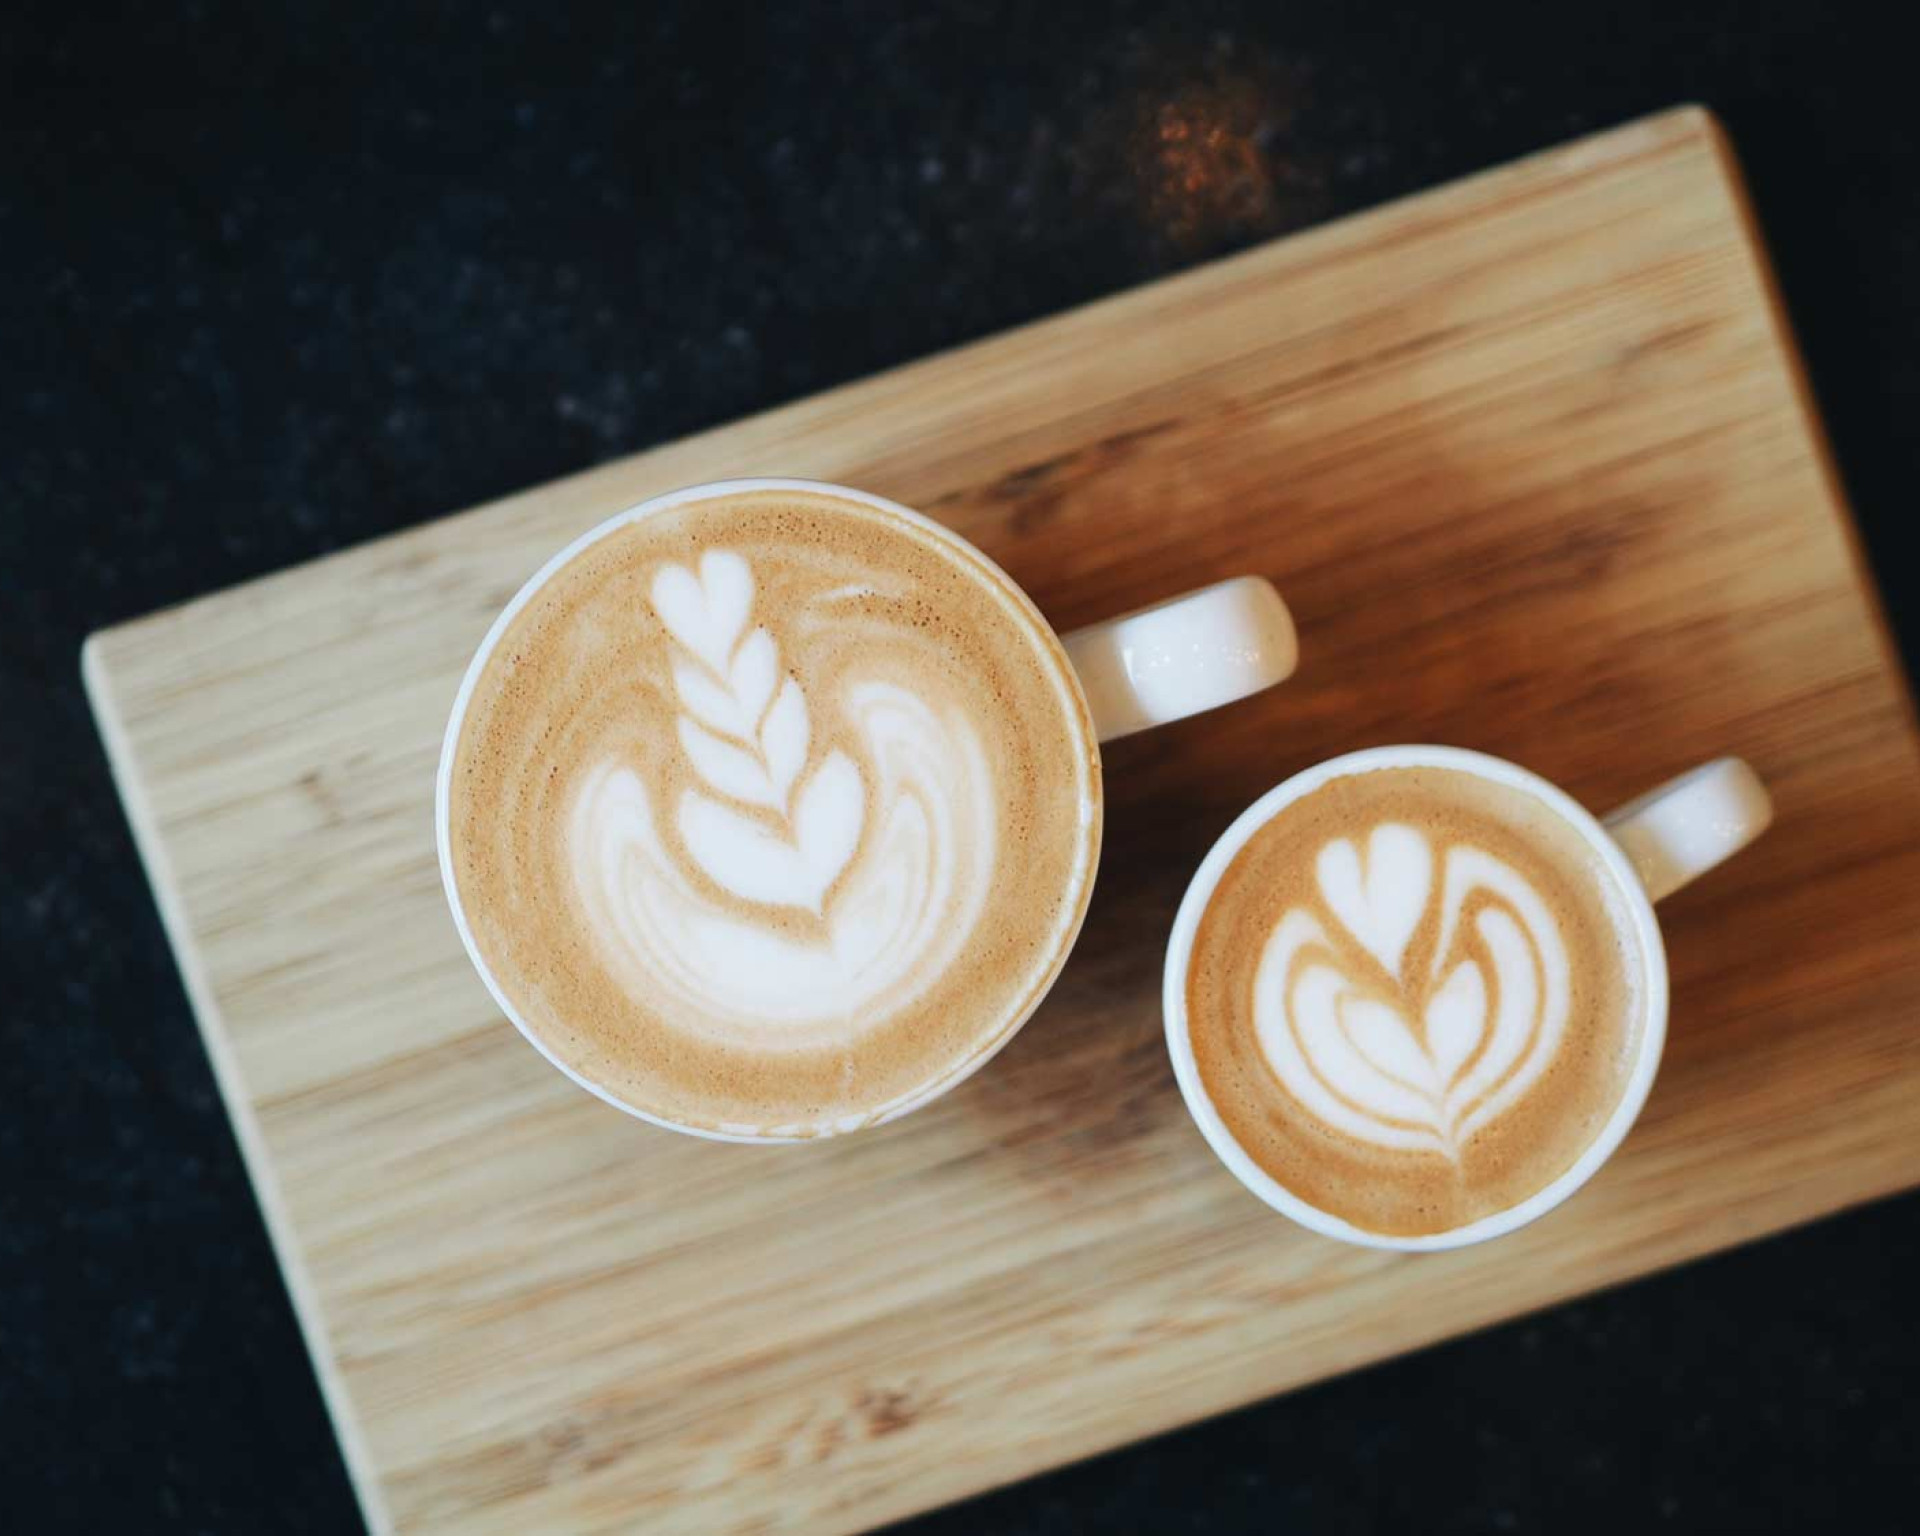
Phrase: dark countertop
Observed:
(276, 284)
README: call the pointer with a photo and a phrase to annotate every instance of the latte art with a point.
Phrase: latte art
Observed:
(1401, 1056)
(892, 852)
(1411, 999)
(772, 811)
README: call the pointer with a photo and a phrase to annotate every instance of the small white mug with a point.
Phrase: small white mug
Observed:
(1176, 658)
(1647, 848)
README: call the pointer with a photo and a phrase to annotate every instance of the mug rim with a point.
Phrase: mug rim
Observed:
(1093, 813)
(1199, 896)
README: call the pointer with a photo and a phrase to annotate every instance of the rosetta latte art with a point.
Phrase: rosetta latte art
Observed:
(799, 890)
(1423, 1002)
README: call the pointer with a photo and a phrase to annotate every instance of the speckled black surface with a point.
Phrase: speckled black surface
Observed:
(272, 282)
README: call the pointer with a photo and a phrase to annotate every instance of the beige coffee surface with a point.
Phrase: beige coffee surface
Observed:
(1530, 459)
(771, 810)
(1415, 998)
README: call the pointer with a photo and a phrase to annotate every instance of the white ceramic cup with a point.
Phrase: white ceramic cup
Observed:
(1158, 664)
(1648, 849)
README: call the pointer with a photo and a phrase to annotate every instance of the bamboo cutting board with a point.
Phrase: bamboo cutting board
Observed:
(1530, 457)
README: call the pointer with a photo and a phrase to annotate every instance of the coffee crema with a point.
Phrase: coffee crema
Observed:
(772, 811)
(1413, 998)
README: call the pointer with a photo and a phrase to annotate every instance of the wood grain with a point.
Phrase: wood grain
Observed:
(1532, 460)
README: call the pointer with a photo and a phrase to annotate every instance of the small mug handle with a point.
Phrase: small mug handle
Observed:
(1182, 656)
(1676, 833)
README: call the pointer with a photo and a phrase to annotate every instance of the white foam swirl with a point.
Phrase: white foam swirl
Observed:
(1412, 1062)
(885, 861)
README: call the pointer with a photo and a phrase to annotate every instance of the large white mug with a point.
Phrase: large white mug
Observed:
(1159, 664)
(1645, 851)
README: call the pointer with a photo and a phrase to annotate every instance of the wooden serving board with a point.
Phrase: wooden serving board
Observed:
(1532, 459)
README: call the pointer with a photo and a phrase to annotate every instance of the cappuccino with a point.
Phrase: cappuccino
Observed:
(771, 812)
(1415, 998)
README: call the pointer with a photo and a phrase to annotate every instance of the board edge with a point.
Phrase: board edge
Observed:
(1648, 134)
(1766, 280)
(122, 764)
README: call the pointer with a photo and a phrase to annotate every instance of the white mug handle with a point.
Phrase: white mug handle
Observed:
(1676, 833)
(1182, 656)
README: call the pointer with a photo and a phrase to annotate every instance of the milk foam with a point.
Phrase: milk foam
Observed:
(780, 828)
(773, 810)
(1414, 997)
(1403, 1060)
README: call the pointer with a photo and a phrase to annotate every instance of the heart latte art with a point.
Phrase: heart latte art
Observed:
(761, 921)
(1413, 1056)
(1409, 999)
(772, 811)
